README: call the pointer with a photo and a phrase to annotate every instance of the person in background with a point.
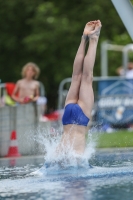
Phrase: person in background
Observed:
(27, 89)
(42, 103)
(129, 71)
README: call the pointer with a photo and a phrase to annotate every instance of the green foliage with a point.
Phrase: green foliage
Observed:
(48, 33)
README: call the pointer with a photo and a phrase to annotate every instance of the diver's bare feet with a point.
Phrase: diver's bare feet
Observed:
(89, 27)
(96, 32)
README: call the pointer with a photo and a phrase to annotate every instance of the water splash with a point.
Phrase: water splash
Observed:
(49, 139)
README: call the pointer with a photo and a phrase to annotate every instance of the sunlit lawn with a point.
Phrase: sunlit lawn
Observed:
(115, 139)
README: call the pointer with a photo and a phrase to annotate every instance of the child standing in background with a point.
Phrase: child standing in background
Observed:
(27, 88)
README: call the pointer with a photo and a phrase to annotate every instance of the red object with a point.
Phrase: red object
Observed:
(9, 88)
(13, 148)
(53, 116)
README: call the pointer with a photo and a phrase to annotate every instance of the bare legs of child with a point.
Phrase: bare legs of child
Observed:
(81, 91)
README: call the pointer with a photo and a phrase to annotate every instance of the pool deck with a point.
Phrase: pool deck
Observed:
(98, 150)
(23, 157)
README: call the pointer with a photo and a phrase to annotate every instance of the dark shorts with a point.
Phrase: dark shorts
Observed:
(73, 114)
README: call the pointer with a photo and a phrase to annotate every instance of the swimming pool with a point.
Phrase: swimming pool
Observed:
(111, 177)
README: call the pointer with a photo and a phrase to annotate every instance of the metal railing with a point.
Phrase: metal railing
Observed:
(62, 92)
(105, 47)
(116, 90)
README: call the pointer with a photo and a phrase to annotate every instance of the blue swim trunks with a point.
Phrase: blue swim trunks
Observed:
(73, 114)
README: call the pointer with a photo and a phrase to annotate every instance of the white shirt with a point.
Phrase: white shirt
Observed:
(129, 73)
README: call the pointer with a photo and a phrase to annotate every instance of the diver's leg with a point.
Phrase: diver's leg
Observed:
(73, 93)
(86, 96)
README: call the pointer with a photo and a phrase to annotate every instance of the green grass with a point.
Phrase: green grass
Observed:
(116, 139)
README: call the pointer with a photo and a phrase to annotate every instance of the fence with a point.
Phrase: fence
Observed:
(113, 99)
(25, 120)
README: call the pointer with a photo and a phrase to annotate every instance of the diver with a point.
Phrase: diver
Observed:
(80, 97)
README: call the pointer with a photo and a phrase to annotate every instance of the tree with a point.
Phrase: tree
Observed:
(48, 33)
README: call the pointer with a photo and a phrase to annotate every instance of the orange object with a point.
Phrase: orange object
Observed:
(13, 148)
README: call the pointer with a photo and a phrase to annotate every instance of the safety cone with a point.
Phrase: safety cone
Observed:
(13, 148)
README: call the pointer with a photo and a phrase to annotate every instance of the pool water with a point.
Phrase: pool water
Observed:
(109, 178)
